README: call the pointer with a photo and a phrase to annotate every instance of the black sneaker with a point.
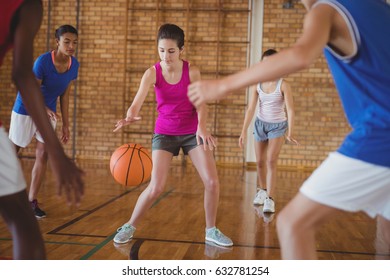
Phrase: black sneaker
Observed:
(38, 212)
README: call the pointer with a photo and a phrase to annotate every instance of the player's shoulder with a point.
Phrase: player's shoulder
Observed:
(150, 74)
(43, 58)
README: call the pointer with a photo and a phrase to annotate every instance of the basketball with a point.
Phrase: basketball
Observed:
(131, 164)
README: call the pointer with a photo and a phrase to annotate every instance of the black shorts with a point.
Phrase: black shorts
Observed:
(173, 143)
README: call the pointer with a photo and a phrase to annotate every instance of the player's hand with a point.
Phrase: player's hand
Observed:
(123, 122)
(53, 116)
(65, 135)
(292, 140)
(209, 142)
(204, 91)
(68, 177)
(242, 140)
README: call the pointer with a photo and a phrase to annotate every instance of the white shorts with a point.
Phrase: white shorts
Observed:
(351, 185)
(22, 129)
(11, 175)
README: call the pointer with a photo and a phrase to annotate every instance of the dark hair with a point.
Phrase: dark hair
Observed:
(173, 32)
(65, 29)
(268, 53)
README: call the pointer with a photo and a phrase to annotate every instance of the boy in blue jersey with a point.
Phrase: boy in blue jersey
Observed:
(55, 71)
(357, 176)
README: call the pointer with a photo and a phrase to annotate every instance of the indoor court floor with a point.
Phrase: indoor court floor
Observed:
(174, 227)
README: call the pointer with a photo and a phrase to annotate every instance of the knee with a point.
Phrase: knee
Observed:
(155, 191)
(41, 154)
(286, 225)
(260, 163)
(271, 163)
(212, 184)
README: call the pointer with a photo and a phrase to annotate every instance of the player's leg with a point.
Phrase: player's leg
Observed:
(14, 206)
(297, 224)
(37, 176)
(161, 165)
(340, 182)
(382, 241)
(273, 151)
(205, 165)
(261, 160)
(261, 146)
(39, 170)
(27, 240)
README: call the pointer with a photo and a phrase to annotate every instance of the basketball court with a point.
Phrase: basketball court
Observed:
(173, 229)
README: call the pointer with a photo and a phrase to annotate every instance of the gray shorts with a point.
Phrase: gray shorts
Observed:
(173, 143)
(264, 130)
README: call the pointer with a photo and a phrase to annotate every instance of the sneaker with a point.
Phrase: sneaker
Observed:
(213, 250)
(260, 197)
(269, 206)
(125, 233)
(216, 236)
(38, 212)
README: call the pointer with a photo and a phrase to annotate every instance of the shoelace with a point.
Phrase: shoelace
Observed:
(123, 228)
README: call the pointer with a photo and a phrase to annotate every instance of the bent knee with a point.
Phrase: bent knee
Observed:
(155, 191)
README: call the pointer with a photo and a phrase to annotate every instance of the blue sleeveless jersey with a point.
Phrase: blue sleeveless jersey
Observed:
(363, 80)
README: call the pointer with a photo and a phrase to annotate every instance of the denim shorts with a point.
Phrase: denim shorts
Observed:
(173, 143)
(264, 130)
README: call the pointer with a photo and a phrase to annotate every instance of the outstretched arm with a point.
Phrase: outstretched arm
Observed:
(148, 79)
(69, 177)
(202, 132)
(316, 34)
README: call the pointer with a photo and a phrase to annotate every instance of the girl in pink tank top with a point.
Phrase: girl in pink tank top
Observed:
(178, 126)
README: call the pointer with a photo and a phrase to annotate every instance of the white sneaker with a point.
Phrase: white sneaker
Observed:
(260, 197)
(269, 205)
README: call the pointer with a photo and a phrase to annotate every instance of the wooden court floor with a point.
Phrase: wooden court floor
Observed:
(174, 227)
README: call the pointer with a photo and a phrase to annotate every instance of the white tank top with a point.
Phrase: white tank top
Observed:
(271, 105)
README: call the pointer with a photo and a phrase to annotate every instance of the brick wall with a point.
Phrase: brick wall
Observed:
(117, 43)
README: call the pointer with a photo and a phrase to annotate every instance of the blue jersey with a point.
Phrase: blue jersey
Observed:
(363, 79)
(53, 85)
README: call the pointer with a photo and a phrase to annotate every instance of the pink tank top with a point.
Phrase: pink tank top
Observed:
(271, 105)
(7, 10)
(176, 114)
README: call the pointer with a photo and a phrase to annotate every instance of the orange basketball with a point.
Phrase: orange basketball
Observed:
(131, 164)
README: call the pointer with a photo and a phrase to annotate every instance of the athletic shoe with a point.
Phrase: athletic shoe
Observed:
(213, 250)
(269, 206)
(38, 212)
(260, 197)
(125, 233)
(216, 236)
